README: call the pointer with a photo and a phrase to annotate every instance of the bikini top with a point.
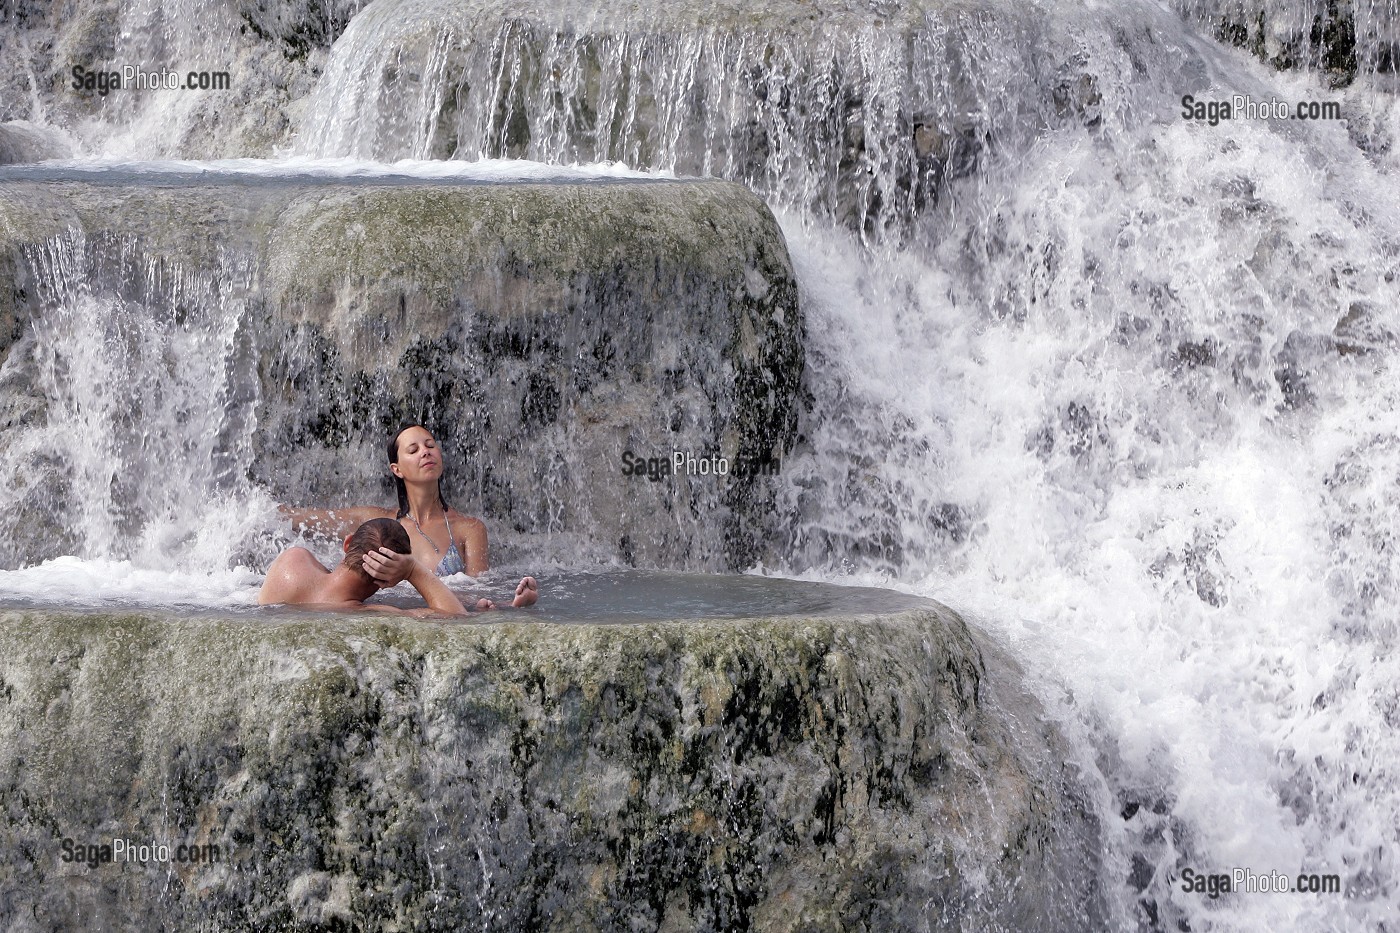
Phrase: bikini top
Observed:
(451, 561)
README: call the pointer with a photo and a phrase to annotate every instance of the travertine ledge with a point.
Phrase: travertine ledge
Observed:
(814, 774)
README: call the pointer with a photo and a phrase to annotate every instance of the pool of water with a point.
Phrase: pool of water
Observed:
(301, 171)
(566, 596)
(639, 596)
(635, 595)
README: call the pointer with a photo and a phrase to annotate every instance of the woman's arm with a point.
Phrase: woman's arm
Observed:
(388, 567)
(434, 592)
(337, 523)
(471, 542)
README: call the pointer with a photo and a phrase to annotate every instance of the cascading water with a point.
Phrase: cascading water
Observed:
(1336, 39)
(105, 385)
(1118, 383)
(1088, 387)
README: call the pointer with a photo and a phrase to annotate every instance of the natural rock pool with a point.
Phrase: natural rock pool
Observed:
(663, 750)
(1021, 332)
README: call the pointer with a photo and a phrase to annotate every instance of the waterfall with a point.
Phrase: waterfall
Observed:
(147, 395)
(1118, 383)
(1338, 39)
(1116, 379)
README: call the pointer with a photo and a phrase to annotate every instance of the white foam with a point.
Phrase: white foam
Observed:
(72, 582)
(1196, 567)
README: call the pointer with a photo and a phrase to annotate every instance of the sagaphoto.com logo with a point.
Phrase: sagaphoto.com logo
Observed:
(105, 79)
(121, 851)
(687, 463)
(1243, 107)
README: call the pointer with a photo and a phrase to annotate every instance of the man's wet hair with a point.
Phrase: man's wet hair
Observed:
(371, 536)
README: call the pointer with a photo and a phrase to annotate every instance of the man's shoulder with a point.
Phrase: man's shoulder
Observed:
(293, 577)
(295, 557)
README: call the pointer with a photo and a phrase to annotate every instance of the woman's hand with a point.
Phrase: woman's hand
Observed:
(388, 568)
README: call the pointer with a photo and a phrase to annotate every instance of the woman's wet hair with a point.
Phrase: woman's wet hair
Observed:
(373, 535)
(400, 486)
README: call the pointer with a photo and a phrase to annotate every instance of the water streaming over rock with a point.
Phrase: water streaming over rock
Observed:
(1336, 39)
(261, 335)
(146, 398)
(1119, 382)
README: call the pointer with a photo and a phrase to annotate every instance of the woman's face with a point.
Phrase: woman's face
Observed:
(419, 458)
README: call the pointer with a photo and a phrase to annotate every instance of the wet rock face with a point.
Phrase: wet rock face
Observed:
(270, 51)
(858, 113)
(24, 142)
(543, 332)
(1339, 39)
(765, 775)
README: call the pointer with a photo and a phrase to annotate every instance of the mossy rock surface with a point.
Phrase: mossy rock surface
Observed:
(764, 774)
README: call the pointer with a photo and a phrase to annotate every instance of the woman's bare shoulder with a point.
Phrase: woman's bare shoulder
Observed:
(466, 521)
(470, 533)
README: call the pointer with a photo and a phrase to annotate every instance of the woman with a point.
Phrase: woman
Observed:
(442, 538)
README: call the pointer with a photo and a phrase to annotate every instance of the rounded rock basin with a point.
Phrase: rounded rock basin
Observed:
(640, 751)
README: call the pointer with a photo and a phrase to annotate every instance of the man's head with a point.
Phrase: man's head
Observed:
(371, 536)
